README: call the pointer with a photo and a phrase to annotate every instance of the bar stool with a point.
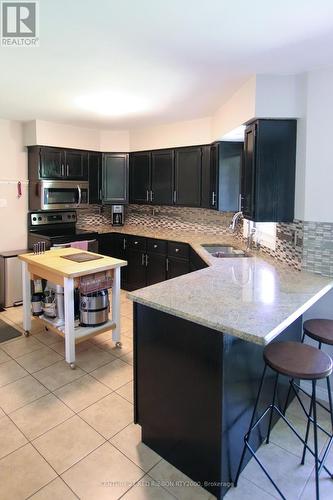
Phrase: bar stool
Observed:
(296, 361)
(320, 330)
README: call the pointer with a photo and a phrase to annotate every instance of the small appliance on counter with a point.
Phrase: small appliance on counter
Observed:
(94, 308)
(117, 215)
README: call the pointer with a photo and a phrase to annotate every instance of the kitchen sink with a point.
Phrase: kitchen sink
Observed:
(223, 251)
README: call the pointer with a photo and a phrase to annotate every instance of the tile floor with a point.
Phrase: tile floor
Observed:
(69, 434)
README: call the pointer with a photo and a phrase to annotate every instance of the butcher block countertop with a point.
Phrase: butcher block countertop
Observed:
(52, 261)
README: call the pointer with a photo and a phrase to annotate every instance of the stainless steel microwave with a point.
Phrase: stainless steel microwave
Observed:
(53, 195)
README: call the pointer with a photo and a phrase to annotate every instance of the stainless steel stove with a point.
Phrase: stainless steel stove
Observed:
(58, 228)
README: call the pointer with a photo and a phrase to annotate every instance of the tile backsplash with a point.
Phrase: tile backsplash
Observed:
(307, 245)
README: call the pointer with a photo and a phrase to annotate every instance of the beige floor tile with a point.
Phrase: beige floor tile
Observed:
(128, 441)
(104, 475)
(284, 468)
(102, 337)
(115, 374)
(110, 347)
(147, 489)
(126, 324)
(10, 437)
(126, 309)
(68, 443)
(11, 371)
(109, 415)
(40, 416)
(325, 483)
(2, 413)
(126, 391)
(15, 314)
(172, 480)
(4, 357)
(285, 438)
(93, 358)
(128, 358)
(56, 490)
(37, 360)
(20, 393)
(21, 346)
(47, 337)
(23, 472)
(58, 375)
(82, 392)
(59, 346)
(247, 491)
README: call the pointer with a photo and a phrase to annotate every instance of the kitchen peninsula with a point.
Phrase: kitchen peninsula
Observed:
(55, 266)
(198, 344)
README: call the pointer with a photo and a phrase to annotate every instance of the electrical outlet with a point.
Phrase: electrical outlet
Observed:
(3, 202)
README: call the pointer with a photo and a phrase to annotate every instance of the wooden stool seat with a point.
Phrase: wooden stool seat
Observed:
(320, 330)
(296, 360)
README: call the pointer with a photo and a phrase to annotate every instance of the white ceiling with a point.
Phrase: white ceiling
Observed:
(174, 59)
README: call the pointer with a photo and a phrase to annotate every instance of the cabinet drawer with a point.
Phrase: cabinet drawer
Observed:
(179, 250)
(157, 246)
(136, 243)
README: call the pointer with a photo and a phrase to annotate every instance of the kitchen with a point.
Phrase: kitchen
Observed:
(174, 231)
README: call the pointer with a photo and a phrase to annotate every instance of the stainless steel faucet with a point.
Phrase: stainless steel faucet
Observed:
(251, 239)
(237, 217)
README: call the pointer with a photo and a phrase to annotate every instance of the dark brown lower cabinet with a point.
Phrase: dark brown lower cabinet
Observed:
(156, 268)
(177, 267)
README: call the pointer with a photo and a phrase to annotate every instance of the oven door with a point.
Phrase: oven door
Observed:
(63, 194)
(92, 245)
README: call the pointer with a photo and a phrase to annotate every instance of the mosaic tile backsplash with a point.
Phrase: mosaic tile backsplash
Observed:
(307, 245)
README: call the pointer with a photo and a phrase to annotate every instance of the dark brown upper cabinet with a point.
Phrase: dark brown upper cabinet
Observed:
(57, 163)
(95, 177)
(187, 190)
(268, 173)
(162, 177)
(115, 178)
(140, 177)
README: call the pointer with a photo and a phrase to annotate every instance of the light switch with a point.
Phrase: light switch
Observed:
(3, 202)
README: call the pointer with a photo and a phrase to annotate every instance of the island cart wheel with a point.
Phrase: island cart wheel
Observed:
(119, 345)
(72, 365)
(26, 333)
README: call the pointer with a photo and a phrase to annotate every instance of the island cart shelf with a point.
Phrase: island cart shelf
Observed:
(66, 273)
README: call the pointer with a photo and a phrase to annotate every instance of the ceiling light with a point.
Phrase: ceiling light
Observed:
(112, 103)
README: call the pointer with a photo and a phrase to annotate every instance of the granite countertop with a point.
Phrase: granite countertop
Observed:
(253, 298)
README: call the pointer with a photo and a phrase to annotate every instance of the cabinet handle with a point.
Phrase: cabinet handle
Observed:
(147, 195)
(143, 259)
(146, 260)
(62, 170)
(136, 242)
(100, 194)
(151, 196)
(167, 264)
(175, 196)
(213, 199)
(176, 250)
(67, 170)
(124, 243)
(155, 246)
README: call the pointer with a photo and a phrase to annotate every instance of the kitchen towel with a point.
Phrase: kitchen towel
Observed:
(81, 245)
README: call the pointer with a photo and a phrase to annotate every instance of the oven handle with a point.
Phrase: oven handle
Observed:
(80, 196)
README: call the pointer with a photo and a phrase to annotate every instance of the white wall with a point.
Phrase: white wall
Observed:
(239, 109)
(277, 96)
(185, 133)
(319, 159)
(13, 168)
(68, 136)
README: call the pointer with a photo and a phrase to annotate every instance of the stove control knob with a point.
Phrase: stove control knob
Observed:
(73, 216)
(34, 218)
(68, 216)
(39, 218)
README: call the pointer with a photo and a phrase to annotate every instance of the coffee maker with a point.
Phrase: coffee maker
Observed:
(117, 215)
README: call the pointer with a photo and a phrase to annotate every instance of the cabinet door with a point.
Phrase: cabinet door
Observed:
(248, 172)
(156, 268)
(115, 178)
(95, 181)
(51, 163)
(177, 267)
(76, 165)
(205, 177)
(230, 164)
(136, 277)
(162, 173)
(140, 177)
(188, 177)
